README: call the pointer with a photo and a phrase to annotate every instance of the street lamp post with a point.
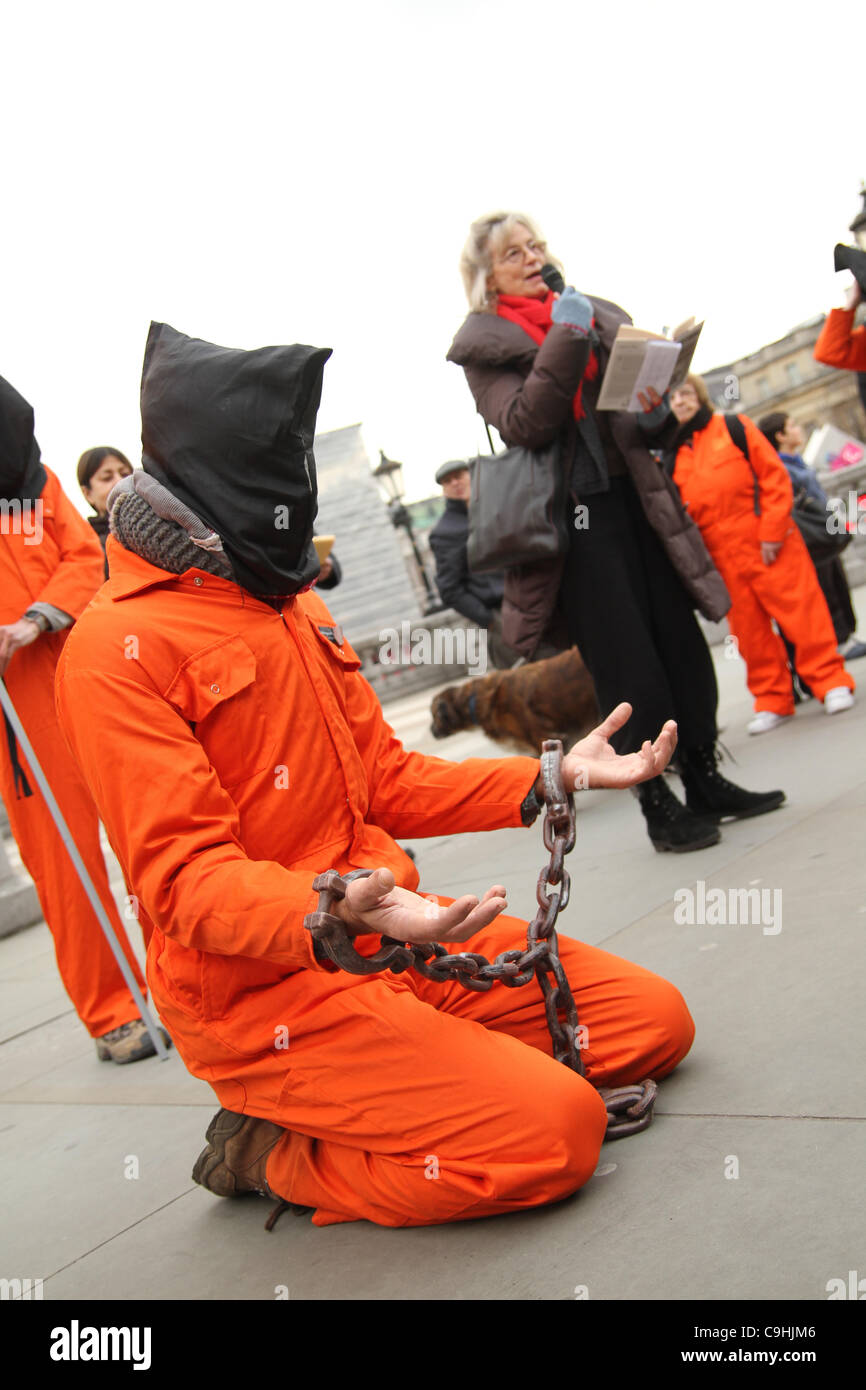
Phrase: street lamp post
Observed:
(389, 475)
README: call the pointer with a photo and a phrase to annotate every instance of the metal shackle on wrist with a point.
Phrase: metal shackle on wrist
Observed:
(331, 938)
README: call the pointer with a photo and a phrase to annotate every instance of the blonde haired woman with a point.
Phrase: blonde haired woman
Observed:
(636, 566)
(742, 502)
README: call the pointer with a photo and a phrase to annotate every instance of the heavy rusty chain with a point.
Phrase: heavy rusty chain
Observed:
(629, 1108)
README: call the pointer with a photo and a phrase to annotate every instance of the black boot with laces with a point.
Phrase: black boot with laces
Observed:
(671, 825)
(711, 795)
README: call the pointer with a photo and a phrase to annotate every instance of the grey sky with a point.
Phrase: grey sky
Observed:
(277, 173)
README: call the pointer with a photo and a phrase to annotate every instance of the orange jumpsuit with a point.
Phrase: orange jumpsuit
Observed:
(63, 569)
(239, 754)
(840, 344)
(717, 486)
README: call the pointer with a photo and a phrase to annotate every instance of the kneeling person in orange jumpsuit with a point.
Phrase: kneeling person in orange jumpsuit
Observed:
(50, 568)
(263, 759)
(743, 508)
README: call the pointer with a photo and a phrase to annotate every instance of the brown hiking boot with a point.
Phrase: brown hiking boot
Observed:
(129, 1043)
(236, 1154)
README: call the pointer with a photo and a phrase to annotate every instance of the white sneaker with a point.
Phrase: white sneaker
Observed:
(765, 720)
(837, 699)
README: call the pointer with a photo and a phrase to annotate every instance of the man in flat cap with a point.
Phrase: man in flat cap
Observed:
(477, 597)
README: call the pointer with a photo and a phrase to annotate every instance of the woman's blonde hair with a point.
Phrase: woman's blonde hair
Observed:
(700, 389)
(486, 236)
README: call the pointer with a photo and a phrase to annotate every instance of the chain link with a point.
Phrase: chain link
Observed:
(630, 1108)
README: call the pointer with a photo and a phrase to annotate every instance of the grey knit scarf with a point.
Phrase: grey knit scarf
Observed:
(150, 521)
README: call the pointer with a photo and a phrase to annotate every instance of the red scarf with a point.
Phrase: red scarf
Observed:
(534, 317)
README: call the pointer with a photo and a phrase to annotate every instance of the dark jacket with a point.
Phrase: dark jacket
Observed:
(802, 478)
(100, 526)
(334, 578)
(473, 595)
(527, 392)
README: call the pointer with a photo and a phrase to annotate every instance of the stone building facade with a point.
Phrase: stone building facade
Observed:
(381, 591)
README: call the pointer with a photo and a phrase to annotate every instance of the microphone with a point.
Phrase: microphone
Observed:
(552, 278)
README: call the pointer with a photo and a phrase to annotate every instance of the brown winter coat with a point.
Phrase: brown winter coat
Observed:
(526, 392)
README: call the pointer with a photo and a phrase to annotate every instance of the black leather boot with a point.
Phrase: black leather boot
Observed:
(711, 795)
(670, 824)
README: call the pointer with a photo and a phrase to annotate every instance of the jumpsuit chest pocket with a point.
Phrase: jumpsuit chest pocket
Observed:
(218, 695)
(329, 636)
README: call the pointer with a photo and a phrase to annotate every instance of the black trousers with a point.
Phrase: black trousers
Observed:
(627, 611)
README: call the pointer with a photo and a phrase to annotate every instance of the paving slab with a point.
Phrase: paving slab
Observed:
(110, 1166)
(661, 1217)
(57, 1064)
(31, 993)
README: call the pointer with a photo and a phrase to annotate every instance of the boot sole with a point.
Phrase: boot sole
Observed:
(146, 1049)
(662, 847)
(104, 1055)
(212, 1160)
(217, 1135)
(717, 817)
(205, 1166)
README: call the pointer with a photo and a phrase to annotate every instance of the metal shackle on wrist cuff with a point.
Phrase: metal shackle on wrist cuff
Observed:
(331, 936)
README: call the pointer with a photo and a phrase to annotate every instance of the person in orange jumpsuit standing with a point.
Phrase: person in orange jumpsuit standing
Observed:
(743, 508)
(50, 568)
(261, 758)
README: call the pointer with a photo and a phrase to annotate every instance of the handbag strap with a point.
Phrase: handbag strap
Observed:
(489, 440)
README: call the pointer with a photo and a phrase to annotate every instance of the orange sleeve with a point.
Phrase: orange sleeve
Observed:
(81, 570)
(840, 344)
(174, 827)
(776, 494)
(683, 467)
(412, 794)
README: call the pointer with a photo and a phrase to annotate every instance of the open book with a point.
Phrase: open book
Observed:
(641, 360)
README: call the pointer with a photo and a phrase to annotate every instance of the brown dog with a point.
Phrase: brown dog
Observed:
(522, 707)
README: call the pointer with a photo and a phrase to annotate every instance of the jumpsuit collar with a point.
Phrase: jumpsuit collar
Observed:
(131, 574)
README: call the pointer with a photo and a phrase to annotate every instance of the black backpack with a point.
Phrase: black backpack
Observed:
(737, 431)
(808, 515)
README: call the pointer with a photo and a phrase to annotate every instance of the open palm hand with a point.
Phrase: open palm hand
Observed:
(593, 763)
(375, 904)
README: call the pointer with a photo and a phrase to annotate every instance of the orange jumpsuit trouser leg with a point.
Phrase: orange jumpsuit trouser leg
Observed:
(788, 590)
(410, 1103)
(760, 646)
(87, 967)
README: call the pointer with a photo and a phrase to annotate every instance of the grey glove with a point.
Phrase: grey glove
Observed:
(573, 308)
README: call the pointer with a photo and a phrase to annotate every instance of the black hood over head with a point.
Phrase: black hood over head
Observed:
(230, 433)
(22, 475)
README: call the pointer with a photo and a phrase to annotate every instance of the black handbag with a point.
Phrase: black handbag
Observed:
(517, 508)
(813, 521)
